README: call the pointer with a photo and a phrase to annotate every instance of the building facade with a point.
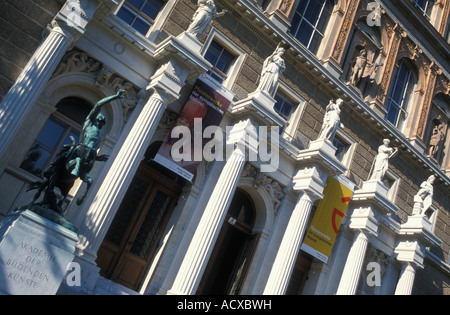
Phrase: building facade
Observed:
(377, 69)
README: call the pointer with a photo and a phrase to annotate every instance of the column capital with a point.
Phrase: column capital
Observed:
(75, 16)
(410, 252)
(375, 193)
(311, 180)
(321, 153)
(169, 79)
(363, 220)
(244, 135)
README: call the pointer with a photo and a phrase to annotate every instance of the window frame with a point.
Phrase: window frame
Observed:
(351, 144)
(427, 11)
(406, 97)
(69, 124)
(290, 129)
(314, 26)
(232, 48)
(393, 178)
(139, 13)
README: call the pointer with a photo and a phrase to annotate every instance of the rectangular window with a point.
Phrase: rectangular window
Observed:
(309, 22)
(283, 106)
(221, 60)
(140, 14)
(345, 148)
(424, 6)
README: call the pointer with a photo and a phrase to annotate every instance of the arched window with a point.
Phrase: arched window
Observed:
(400, 94)
(310, 20)
(64, 123)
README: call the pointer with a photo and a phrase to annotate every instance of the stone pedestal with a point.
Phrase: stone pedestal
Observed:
(34, 254)
(259, 104)
(192, 42)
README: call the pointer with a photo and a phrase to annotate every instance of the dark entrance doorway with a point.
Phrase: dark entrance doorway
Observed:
(137, 228)
(233, 251)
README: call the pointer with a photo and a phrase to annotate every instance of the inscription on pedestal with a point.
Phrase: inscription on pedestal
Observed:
(27, 271)
(32, 264)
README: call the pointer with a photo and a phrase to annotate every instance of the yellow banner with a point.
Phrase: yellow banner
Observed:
(324, 227)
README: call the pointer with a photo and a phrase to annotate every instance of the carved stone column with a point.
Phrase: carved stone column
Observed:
(310, 181)
(290, 246)
(66, 28)
(369, 203)
(414, 237)
(353, 265)
(196, 257)
(406, 281)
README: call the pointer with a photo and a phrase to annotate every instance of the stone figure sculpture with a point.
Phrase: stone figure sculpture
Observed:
(435, 140)
(72, 162)
(424, 197)
(273, 67)
(203, 16)
(359, 68)
(331, 120)
(381, 162)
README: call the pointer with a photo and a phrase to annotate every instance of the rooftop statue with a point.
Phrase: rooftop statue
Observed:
(331, 120)
(381, 163)
(424, 197)
(273, 67)
(206, 12)
(73, 161)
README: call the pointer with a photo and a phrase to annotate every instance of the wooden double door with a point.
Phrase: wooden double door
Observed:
(137, 228)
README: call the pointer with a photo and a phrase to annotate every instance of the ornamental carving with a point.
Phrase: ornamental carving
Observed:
(261, 180)
(285, 7)
(78, 61)
(378, 256)
(345, 31)
(398, 34)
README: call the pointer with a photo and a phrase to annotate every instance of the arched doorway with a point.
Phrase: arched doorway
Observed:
(137, 228)
(233, 251)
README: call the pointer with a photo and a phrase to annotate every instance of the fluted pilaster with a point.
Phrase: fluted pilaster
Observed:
(406, 281)
(200, 248)
(289, 248)
(353, 266)
(30, 83)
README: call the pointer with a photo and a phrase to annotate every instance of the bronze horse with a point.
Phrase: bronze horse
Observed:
(58, 175)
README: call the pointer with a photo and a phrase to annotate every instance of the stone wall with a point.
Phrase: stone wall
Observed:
(22, 25)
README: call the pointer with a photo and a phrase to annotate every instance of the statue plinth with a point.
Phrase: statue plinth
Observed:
(35, 254)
